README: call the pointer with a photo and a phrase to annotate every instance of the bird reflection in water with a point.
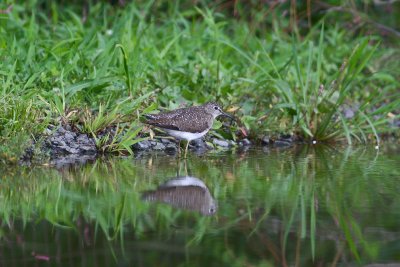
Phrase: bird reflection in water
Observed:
(185, 192)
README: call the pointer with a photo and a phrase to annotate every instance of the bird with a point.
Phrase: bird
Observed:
(184, 192)
(187, 123)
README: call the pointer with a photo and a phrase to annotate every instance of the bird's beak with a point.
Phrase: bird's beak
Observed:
(227, 115)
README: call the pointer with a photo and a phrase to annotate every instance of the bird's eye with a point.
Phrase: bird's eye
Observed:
(216, 108)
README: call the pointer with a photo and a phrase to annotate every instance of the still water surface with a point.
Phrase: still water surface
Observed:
(305, 206)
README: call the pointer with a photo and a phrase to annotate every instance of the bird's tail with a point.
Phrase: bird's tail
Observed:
(149, 116)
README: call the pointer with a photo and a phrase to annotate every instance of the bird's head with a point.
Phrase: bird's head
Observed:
(216, 110)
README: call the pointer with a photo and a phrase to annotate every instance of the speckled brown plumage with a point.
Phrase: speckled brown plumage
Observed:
(193, 119)
(186, 192)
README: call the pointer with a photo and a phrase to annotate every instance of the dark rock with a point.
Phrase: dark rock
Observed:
(82, 138)
(221, 143)
(71, 150)
(265, 140)
(246, 142)
(75, 145)
(89, 149)
(142, 145)
(282, 143)
(153, 143)
(57, 141)
(61, 130)
(286, 138)
(28, 154)
(198, 144)
(159, 146)
(242, 149)
(69, 136)
(68, 127)
(166, 141)
(171, 149)
(65, 143)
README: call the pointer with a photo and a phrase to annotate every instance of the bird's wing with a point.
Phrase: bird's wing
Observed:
(180, 120)
(163, 120)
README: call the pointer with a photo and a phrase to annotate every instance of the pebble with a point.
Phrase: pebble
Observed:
(67, 146)
(166, 141)
(198, 143)
(265, 140)
(171, 149)
(286, 138)
(246, 142)
(159, 146)
(142, 145)
(69, 136)
(221, 143)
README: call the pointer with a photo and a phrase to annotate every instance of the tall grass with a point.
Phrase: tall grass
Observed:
(55, 60)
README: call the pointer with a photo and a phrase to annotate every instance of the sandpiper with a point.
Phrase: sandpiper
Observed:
(187, 123)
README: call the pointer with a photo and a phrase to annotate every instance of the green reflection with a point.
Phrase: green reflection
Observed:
(311, 205)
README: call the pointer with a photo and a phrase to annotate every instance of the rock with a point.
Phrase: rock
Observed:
(286, 138)
(68, 127)
(221, 143)
(60, 130)
(71, 150)
(282, 143)
(69, 136)
(142, 145)
(82, 138)
(171, 149)
(198, 144)
(159, 146)
(265, 140)
(348, 113)
(59, 142)
(153, 143)
(166, 141)
(246, 142)
(89, 149)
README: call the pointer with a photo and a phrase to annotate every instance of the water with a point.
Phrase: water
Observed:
(306, 206)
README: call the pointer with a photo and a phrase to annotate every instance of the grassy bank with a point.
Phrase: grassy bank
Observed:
(100, 66)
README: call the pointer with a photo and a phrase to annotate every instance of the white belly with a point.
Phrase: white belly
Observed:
(186, 135)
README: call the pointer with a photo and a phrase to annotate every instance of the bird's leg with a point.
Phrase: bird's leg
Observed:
(186, 148)
(179, 147)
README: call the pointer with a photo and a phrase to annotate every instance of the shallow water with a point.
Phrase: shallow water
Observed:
(305, 206)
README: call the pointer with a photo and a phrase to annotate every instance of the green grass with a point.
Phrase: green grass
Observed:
(116, 62)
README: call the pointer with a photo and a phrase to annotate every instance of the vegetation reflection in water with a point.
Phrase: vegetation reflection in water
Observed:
(304, 206)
